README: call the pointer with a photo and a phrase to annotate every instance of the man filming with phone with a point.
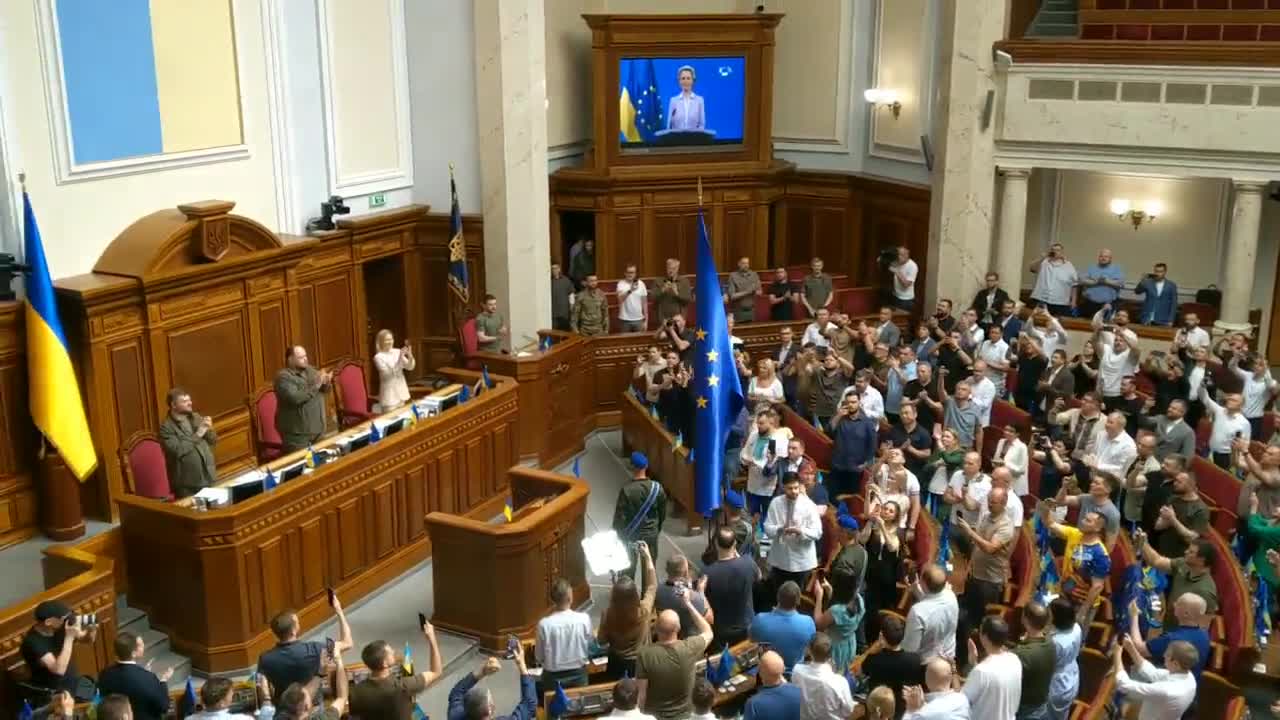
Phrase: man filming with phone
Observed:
(48, 645)
(387, 694)
(293, 661)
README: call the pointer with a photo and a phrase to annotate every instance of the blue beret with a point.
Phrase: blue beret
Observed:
(847, 521)
(639, 461)
(734, 499)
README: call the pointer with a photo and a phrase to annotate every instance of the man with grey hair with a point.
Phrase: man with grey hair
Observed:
(469, 701)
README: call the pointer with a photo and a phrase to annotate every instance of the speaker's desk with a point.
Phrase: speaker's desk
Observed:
(213, 580)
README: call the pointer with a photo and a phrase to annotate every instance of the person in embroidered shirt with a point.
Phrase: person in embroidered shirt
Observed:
(1164, 694)
(1085, 562)
(943, 701)
(794, 526)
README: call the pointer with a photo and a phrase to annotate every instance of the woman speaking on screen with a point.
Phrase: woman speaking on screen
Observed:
(685, 111)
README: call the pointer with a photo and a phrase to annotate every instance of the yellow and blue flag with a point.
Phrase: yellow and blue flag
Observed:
(717, 390)
(54, 393)
(459, 282)
(639, 103)
(506, 511)
(406, 664)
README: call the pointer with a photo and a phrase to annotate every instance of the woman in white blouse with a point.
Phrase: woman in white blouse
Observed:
(391, 363)
(1011, 452)
(766, 386)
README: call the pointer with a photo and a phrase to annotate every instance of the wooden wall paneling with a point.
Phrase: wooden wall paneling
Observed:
(416, 503)
(473, 483)
(17, 436)
(740, 239)
(383, 519)
(350, 538)
(892, 214)
(446, 479)
(629, 244)
(436, 336)
(311, 552)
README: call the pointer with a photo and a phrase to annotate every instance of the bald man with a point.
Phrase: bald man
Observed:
(776, 699)
(942, 702)
(932, 619)
(989, 565)
(667, 664)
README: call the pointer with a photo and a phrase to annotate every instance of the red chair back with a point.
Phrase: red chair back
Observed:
(353, 397)
(1005, 413)
(270, 442)
(1033, 479)
(816, 444)
(1203, 429)
(1235, 603)
(145, 468)
(470, 343)
(1218, 486)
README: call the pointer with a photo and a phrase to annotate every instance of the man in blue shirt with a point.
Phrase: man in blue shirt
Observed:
(1189, 613)
(854, 441)
(783, 628)
(468, 701)
(776, 699)
(1102, 284)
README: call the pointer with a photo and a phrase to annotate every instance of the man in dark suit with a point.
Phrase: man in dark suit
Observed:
(989, 300)
(148, 695)
(300, 390)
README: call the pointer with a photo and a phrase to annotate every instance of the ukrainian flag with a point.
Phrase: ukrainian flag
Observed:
(55, 402)
(639, 111)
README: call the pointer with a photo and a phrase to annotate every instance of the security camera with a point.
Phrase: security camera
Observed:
(1001, 58)
(333, 206)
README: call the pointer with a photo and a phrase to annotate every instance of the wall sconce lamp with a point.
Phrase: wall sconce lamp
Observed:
(884, 98)
(1125, 211)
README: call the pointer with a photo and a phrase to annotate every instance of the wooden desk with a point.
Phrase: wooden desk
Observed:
(667, 464)
(556, 395)
(213, 580)
(494, 580)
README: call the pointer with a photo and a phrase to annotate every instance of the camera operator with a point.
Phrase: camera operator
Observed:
(48, 645)
(671, 595)
(675, 332)
(904, 271)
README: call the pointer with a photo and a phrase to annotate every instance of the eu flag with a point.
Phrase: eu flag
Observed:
(639, 103)
(718, 391)
(458, 281)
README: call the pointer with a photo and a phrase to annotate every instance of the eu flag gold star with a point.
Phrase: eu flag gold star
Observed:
(713, 356)
(713, 381)
(702, 402)
(700, 334)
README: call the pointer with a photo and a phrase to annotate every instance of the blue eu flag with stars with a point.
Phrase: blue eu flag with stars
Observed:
(639, 101)
(717, 389)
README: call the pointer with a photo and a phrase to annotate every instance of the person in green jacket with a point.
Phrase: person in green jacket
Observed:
(1265, 532)
(188, 439)
(632, 499)
(300, 389)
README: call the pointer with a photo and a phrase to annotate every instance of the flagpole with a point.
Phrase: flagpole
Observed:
(699, 191)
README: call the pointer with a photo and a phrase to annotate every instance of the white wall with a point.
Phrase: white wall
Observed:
(79, 219)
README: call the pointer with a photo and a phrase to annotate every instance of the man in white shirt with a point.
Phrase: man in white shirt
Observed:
(1191, 334)
(872, 402)
(904, 271)
(1056, 281)
(633, 302)
(1001, 478)
(825, 693)
(626, 701)
(1164, 693)
(1257, 389)
(994, 353)
(794, 527)
(816, 332)
(1114, 450)
(1118, 356)
(967, 491)
(994, 686)
(983, 393)
(1229, 424)
(1011, 454)
(932, 619)
(1052, 337)
(704, 700)
(563, 644)
(942, 702)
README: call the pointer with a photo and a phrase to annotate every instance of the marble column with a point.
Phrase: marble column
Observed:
(1241, 261)
(511, 99)
(1013, 229)
(961, 223)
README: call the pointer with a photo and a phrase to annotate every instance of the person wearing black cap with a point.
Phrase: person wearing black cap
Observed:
(641, 509)
(48, 645)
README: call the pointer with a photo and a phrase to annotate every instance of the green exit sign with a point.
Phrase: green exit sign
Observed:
(377, 200)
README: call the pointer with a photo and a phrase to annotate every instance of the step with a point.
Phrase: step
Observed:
(1060, 6)
(1047, 17)
(1044, 31)
(131, 619)
(156, 642)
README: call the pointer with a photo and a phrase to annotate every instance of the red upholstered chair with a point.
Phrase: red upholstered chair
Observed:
(1033, 480)
(816, 444)
(470, 344)
(354, 405)
(1203, 430)
(1235, 603)
(145, 472)
(1218, 486)
(262, 413)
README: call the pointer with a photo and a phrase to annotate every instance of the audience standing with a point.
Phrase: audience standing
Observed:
(563, 642)
(667, 664)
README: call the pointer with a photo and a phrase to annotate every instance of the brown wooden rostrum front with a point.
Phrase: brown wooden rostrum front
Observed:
(492, 580)
(213, 580)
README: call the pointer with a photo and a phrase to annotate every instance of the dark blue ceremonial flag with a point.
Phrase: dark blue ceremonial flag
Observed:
(459, 282)
(717, 389)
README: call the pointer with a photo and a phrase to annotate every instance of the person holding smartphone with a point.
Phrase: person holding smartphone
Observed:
(388, 693)
(295, 661)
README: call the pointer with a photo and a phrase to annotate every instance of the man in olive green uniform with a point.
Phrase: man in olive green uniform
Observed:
(188, 439)
(591, 310)
(641, 507)
(672, 292)
(818, 289)
(300, 390)
(491, 327)
(741, 291)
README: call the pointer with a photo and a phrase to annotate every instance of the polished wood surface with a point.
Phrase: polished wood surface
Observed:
(1154, 52)
(493, 579)
(17, 436)
(213, 580)
(668, 464)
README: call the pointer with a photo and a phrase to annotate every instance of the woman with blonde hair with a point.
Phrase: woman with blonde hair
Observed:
(391, 362)
(880, 705)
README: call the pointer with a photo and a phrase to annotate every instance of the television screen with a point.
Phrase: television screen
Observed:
(694, 103)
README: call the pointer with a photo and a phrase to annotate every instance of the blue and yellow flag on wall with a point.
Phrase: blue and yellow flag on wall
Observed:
(639, 104)
(459, 283)
(54, 393)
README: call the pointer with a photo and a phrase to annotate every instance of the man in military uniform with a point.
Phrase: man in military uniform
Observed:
(491, 327)
(591, 310)
(641, 509)
(818, 290)
(300, 390)
(673, 292)
(188, 439)
(741, 291)
(561, 298)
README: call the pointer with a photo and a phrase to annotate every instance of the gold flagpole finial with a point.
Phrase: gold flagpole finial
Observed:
(450, 167)
(699, 191)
